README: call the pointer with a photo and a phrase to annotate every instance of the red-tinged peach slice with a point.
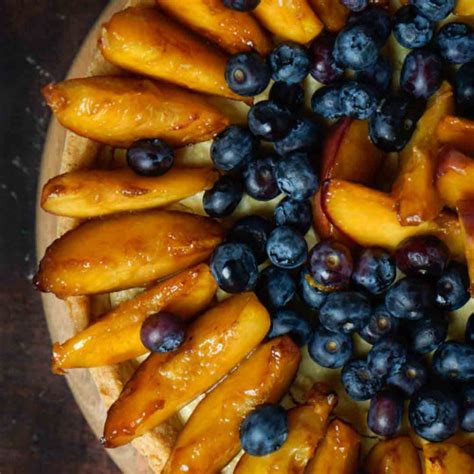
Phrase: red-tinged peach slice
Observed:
(466, 216)
(457, 131)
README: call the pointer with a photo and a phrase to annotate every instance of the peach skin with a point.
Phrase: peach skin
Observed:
(232, 30)
(457, 131)
(118, 111)
(290, 19)
(416, 197)
(393, 456)
(125, 251)
(115, 336)
(216, 342)
(143, 40)
(93, 193)
(210, 438)
(446, 458)
(307, 426)
(332, 13)
(338, 452)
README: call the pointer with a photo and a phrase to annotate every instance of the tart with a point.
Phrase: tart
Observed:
(130, 246)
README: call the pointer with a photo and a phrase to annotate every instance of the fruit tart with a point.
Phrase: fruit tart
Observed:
(263, 233)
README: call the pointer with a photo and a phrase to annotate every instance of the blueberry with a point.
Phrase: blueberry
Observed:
(411, 28)
(260, 180)
(455, 42)
(355, 5)
(410, 298)
(411, 376)
(269, 120)
(222, 199)
(296, 176)
(254, 231)
(464, 90)
(469, 334)
(242, 5)
(428, 333)
(330, 349)
(385, 413)
(394, 122)
(377, 19)
(454, 361)
(325, 102)
(374, 270)
(296, 214)
(310, 295)
(287, 321)
(359, 383)
(330, 265)
(467, 408)
(233, 148)
(434, 10)
(275, 287)
(304, 135)
(247, 74)
(423, 255)
(286, 248)
(422, 73)
(452, 288)
(162, 332)
(386, 357)
(345, 311)
(323, 65)
(356, 47)
(357, 100)
(234, 267)
(434, 413)
(381, 324)
(289, 96)
(150, 157)
(264, 430)
(379, 75)
(289, 62)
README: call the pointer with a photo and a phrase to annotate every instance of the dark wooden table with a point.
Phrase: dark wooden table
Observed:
(41, 429)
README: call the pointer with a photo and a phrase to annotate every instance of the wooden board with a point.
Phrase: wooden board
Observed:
(59, 323)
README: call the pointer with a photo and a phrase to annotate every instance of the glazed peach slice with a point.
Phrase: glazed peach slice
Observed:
(216, 342)
(115, 336)
(210, 438)
(289, 19)
(118, 110)
(307, 425)
(232, 30)
(369, 218)
(464, 8)
(332, 13)
(416, 197)
(125, 251)
(338, 452)
(92, 193)
(446, 458)
(457, 131)
(393, 456)
(143, 40)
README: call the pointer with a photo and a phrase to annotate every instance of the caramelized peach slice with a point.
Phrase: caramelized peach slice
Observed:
(143, 40)
(338, 453)
(307, 425)
(165, 382)
(232, 30)
(118, 110)
(393, 456)
(369, 218)
(332, 13)
(92, 193)
(210, 438)
(125, 251)
(416, 197)
(446, 458)
(464, 8)
(290, 19)
(457, 131)
(115, 336)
